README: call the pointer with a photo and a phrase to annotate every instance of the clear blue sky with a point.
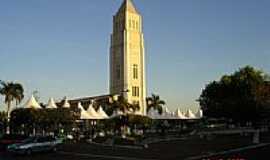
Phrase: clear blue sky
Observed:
(61, 47)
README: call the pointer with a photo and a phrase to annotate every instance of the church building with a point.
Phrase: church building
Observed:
(127, 56)
(127, 60)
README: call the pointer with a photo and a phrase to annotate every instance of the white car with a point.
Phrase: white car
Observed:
(35, 144)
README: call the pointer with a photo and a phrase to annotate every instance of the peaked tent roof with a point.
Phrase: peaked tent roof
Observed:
(102, 113)
(92, 112)
(166, 114)
(128, 5)
(190, 115)
(32, 103)
(84, 114)
(51, 104)
(179, 114)
(152, 113)
(66, 104)
(166, 110)
(199, 114)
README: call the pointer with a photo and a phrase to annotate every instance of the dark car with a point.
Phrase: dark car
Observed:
(9, 139)
(35, 144)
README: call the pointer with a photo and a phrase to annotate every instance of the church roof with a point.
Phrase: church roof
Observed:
(128, 5)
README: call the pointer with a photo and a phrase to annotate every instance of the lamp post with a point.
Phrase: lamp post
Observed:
(125, 91)
(93, 124)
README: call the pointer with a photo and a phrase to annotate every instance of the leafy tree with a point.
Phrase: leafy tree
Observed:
(12, 91)
(129, 120)
(3, 116)
(155, 102)
(42, 120)
(23, 120)
(242, 96)
(139, 121)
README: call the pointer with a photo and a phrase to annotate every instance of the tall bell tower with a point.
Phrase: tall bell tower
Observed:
(127, 59)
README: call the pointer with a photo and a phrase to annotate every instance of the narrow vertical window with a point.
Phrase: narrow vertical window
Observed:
(138, 92)
(135, 71)
(135, 91)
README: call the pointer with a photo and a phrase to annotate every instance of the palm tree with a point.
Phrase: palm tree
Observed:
(12, 91)
(3, 117)
(123, 105)
(155, 102)
(3, 120)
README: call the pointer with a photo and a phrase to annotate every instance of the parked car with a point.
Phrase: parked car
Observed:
(9, 139)
(35, 144)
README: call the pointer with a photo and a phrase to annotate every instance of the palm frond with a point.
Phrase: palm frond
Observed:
(155, 103)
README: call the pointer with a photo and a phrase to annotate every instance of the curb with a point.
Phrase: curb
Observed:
(165, 140)
(117, 146)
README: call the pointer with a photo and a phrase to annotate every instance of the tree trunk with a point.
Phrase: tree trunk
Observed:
(8, 117)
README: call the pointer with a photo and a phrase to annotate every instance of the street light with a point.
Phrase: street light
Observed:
(124, 91)
(93, 124)
(116, 96)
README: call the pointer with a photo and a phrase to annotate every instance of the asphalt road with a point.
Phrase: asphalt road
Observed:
(167, 150)
(262, 153)
(63, 156)
(252, 154)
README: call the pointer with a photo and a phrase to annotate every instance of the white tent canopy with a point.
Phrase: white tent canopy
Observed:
(92, 112)
(32, 103)
(166, 114)
(66, 104)
(84, 114)
(51, 104)
(190, 114)
(179, 114)
(102, 113)
(152, 113)
(199, 114)
(166, 111)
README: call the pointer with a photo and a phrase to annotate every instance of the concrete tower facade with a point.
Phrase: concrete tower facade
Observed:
(127, 59)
